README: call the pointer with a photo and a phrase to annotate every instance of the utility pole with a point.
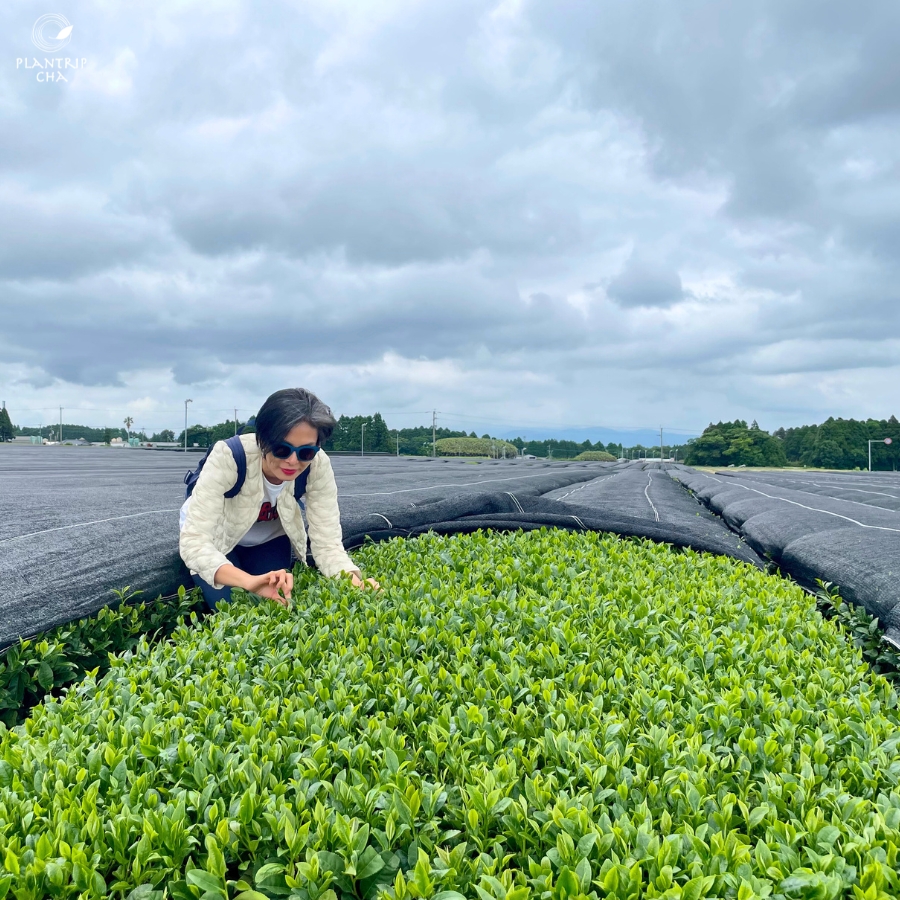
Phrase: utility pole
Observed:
(660, 444)
(60, 424)
(185, 423)
(433, 432)
(362, 446)
(235, 421)
(398, 443)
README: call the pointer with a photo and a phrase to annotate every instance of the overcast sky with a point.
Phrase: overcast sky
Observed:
(617, 213)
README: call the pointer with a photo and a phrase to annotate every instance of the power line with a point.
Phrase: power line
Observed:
(163, 412)
(117, 409)
(567, 424)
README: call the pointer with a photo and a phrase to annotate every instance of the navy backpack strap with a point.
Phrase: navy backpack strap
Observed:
(300, 483)
(240, 457)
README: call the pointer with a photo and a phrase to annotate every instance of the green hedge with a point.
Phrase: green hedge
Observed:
(469, 446)
(541, 714)
(596, 456)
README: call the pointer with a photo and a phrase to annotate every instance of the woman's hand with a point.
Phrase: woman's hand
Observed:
(276, 585)
(356, 581)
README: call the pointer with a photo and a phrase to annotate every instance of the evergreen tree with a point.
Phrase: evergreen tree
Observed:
(829, 455)
(378, 438)
(733, 443)
(7, 432)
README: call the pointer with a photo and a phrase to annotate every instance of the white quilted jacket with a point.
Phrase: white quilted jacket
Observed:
(215, 524)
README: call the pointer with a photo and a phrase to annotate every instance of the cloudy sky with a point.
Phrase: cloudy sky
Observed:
(540, 213)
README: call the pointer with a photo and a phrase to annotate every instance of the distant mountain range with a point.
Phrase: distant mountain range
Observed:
(629, 437)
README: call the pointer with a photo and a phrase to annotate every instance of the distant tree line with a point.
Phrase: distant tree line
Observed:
(379, 438)
(347, 437)
(78, 432)
(843, 444)
(835, 444)
(417, 441)
(206, 435)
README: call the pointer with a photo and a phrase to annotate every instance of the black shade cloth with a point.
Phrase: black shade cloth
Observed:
(77, 524)
(838, 527)
(99, 520)
(637, 499)
(508, 512)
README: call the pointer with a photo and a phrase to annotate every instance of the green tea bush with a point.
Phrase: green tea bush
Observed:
(33, 667)
(863, 629)
(543, 714)
(596, 456)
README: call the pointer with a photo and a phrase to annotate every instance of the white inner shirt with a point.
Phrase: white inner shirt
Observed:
(266, 527)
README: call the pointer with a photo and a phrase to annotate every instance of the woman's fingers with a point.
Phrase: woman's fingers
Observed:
(271, 593)
(276, 585)
(356, 581)
(283, 581)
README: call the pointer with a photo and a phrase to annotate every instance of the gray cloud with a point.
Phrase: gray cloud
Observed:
(452, 185)
(646, 281)
(56, 236)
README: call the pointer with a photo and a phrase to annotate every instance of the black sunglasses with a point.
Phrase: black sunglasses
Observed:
(283, 450)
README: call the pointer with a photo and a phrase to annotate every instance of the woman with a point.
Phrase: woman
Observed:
(247, 540)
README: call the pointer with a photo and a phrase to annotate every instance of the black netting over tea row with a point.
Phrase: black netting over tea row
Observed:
(111, 519)
(841, 527)
(630, 500)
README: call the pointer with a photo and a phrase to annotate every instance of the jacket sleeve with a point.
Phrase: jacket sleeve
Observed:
(206, 513)
(324, 520)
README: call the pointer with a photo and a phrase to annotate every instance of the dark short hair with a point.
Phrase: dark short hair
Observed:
(287, 408)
